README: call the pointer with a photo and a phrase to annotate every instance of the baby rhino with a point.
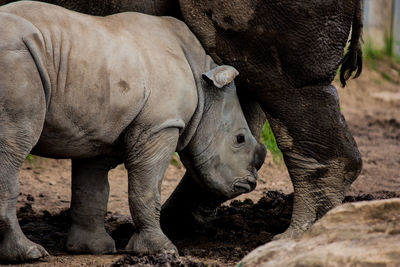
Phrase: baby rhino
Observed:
(127, 88)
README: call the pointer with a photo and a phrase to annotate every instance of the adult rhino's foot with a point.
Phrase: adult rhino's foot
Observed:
(97, 241)
(150, 242)
(18, 248)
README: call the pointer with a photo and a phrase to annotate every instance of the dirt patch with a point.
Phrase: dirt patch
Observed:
(233, 232)
(162, 260)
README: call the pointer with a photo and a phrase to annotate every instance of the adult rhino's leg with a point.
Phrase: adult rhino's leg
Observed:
(190, 204)
(147, 160)
(90, 191)
(22, 112)
(319, 151)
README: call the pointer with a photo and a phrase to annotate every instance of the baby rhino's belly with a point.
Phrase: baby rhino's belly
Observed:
(80, 133)
(56, 143)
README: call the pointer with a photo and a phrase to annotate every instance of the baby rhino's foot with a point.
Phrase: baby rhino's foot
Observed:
(96, 241)
(16, 247)
(150, 242)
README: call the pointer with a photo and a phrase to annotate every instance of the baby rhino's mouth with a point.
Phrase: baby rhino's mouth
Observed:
(247, 184)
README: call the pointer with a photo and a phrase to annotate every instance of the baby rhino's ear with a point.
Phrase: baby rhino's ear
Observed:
(221, 75)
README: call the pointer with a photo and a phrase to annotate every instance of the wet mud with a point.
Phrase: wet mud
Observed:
(234, 231)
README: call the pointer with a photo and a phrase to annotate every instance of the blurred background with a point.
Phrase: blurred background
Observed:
(382, 25)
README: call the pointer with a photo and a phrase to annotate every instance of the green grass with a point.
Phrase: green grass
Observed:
(31, 160)
(374, 57)
(372, 54)
(387, 77)
(175, 160)
(388, 49)
(268, 138)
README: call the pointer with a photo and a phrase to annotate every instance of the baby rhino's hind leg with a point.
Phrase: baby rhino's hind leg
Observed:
(90, 191)
(14, 245)
(22, 112)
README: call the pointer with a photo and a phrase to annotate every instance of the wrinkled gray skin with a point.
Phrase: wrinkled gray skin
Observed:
(131, 91)
(288, 52)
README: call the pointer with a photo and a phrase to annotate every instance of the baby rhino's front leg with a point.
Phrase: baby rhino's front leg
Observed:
(146, 164)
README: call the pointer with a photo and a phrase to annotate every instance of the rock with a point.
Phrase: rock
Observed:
(353, 234)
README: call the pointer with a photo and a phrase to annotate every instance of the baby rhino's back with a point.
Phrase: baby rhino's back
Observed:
(103, 72)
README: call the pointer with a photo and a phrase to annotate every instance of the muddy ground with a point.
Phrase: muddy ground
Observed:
(371, 105)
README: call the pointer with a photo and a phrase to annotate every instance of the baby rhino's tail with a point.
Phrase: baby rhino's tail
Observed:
(22, 101)
(22, 47)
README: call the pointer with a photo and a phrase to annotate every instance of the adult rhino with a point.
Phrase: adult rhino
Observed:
(289, 52)
(131, 91)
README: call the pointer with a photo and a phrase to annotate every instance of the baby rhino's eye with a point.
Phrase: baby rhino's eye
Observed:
(240, 139)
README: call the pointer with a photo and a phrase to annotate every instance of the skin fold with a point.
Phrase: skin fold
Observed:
(288, 53)
(134, 90)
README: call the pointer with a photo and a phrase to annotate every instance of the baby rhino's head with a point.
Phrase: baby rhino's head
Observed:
(223, 156)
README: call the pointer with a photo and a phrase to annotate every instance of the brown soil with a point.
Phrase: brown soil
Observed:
(371, 105)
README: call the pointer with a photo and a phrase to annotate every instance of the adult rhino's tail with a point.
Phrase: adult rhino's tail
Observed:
(352, 61)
